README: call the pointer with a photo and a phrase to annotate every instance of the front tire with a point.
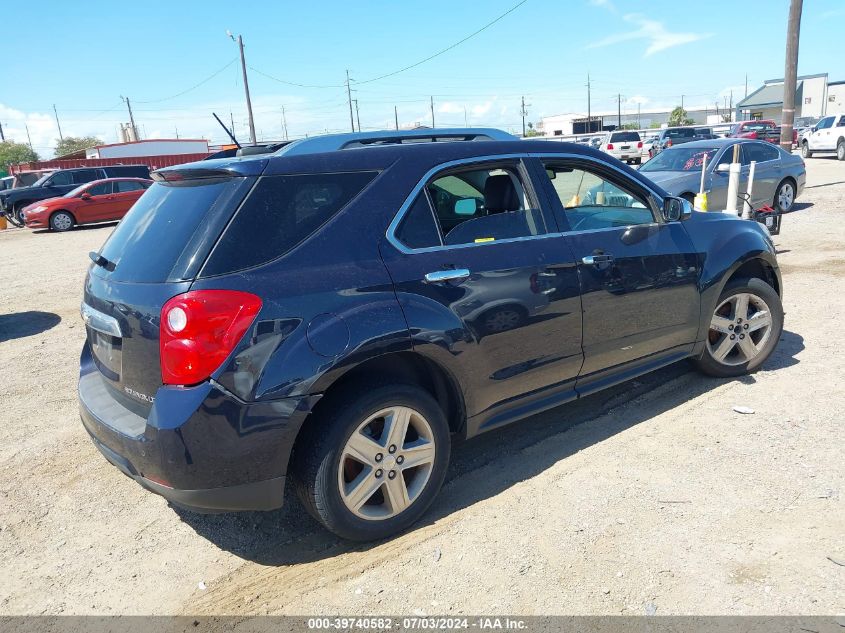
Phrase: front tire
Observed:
(785, 196)
(374, 461)
(744, 329)
(805, 150)
(61, 221)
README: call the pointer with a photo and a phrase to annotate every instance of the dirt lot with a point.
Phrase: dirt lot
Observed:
(652, 498)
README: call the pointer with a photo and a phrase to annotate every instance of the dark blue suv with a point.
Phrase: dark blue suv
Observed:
(336, 312)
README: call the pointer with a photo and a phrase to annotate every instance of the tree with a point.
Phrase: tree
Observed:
(631, 126)
(12, 153)
(679, 117)
(531, 130)
(70, 144)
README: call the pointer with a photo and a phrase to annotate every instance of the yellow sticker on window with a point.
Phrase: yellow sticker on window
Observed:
(484, 239)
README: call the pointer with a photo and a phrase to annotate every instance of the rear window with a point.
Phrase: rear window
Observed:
(280, 213)
(625, 137)
(167, 220)
(681, 132)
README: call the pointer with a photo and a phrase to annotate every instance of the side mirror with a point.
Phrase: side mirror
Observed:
(676, 209)
(465, 206)
(85, 196)
(723, 168)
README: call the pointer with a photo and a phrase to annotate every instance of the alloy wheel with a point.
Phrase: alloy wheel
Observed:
(502, 320)
(840, 151)
(740, 329)
(786, 196)
(61, 222)
(386, 463)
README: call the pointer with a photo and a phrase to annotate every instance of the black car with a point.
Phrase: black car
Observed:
(60, 182)
(337, 317)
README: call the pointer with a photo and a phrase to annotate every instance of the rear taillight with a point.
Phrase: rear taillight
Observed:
(640, 145)
(199, 329)
(610, 146)
(669, 143)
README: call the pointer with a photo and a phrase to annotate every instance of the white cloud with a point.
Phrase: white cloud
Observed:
(655, 32)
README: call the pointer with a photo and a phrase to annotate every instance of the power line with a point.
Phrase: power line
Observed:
(194, 87)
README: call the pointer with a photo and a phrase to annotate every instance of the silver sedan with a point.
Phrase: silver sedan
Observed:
(779, 176)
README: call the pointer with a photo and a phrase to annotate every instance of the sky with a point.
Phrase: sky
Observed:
(176, 64)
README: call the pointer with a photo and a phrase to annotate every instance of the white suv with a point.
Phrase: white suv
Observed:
(625, 145)
(828, 135)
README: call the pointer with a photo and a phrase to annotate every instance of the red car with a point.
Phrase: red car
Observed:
(97, 201)
(762, 130)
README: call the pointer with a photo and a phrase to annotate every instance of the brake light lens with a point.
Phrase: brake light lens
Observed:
(669, 143)
(199, 329)
(640, 145)
(610, 146)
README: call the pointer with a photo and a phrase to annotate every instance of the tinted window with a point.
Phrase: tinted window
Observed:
(280, 213)
(625, 137)
(590, 201)
(760, 152)
(825, 123)
(418, 228)
(127, 185)
(128, 171)
(727, 156)
(148, 242)
(681, 158)
(681, 132)
(841, 122)
(61, 178)
(81, 176)
(103, 189)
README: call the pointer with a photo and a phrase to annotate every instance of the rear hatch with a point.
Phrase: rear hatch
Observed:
(624, 143)
(154, 254)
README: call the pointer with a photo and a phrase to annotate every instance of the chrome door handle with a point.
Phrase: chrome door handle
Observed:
(592, 260)
(446, 275)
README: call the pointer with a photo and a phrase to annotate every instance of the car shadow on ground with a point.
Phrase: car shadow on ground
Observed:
(23, 324)
(81, 227)
(289, 536)
(799, 206)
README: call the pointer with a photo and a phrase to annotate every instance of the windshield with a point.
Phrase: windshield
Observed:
(680, 159)
(75, 192)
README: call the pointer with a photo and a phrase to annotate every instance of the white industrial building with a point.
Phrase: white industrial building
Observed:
(149, 147)
(815, 97)
(573, 123)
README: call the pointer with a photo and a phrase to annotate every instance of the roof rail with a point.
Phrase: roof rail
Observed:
(332, 142)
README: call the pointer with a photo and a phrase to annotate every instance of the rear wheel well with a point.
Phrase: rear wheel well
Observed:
(399, 367)
(759, 269)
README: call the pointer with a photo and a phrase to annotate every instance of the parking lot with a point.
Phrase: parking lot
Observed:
(653, 497)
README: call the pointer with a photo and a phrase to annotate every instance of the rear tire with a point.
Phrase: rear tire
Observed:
(750, 311)
(840, 150)
(638, 161)
(61, 221)
(805, 150)
(350, 479)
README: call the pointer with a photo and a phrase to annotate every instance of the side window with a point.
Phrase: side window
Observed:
(61, 178)
(590, 201)
(825, 123)
(103, 189)
(841, 122)
(760, 152)
(81, 176)
(124, 186)
(484, 205)
(728, 155)
(418, 228)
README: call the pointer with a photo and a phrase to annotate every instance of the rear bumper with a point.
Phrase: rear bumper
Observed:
(199, 447)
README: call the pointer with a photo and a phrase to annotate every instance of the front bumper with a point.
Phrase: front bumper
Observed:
(199, 447)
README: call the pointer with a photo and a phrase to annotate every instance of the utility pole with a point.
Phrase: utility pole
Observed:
(396, 116)
(746, 85)
(284, 122)
(466, 120)
(790, 73)
(639, 125)
(619, 111)
(232, 122)
(58, 125)
(589, 119)
(2, 136)
(240, 42)
(523, 112)
(432, 111)
(682, 102)
(131, 118)
(28, 137)
(357, 114)
(177, 132)
(349, 98)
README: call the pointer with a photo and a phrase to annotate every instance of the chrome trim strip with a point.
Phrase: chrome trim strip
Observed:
(397, 219)
(98, 321)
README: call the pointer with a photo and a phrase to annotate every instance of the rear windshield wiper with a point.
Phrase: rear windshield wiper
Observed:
(99, 260)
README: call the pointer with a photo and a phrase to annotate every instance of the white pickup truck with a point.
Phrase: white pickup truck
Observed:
(828, 135)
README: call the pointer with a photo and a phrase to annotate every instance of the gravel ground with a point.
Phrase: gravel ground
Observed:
(654, 497)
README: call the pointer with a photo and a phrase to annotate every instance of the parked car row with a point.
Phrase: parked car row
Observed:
(58, 183)
(828, 135)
